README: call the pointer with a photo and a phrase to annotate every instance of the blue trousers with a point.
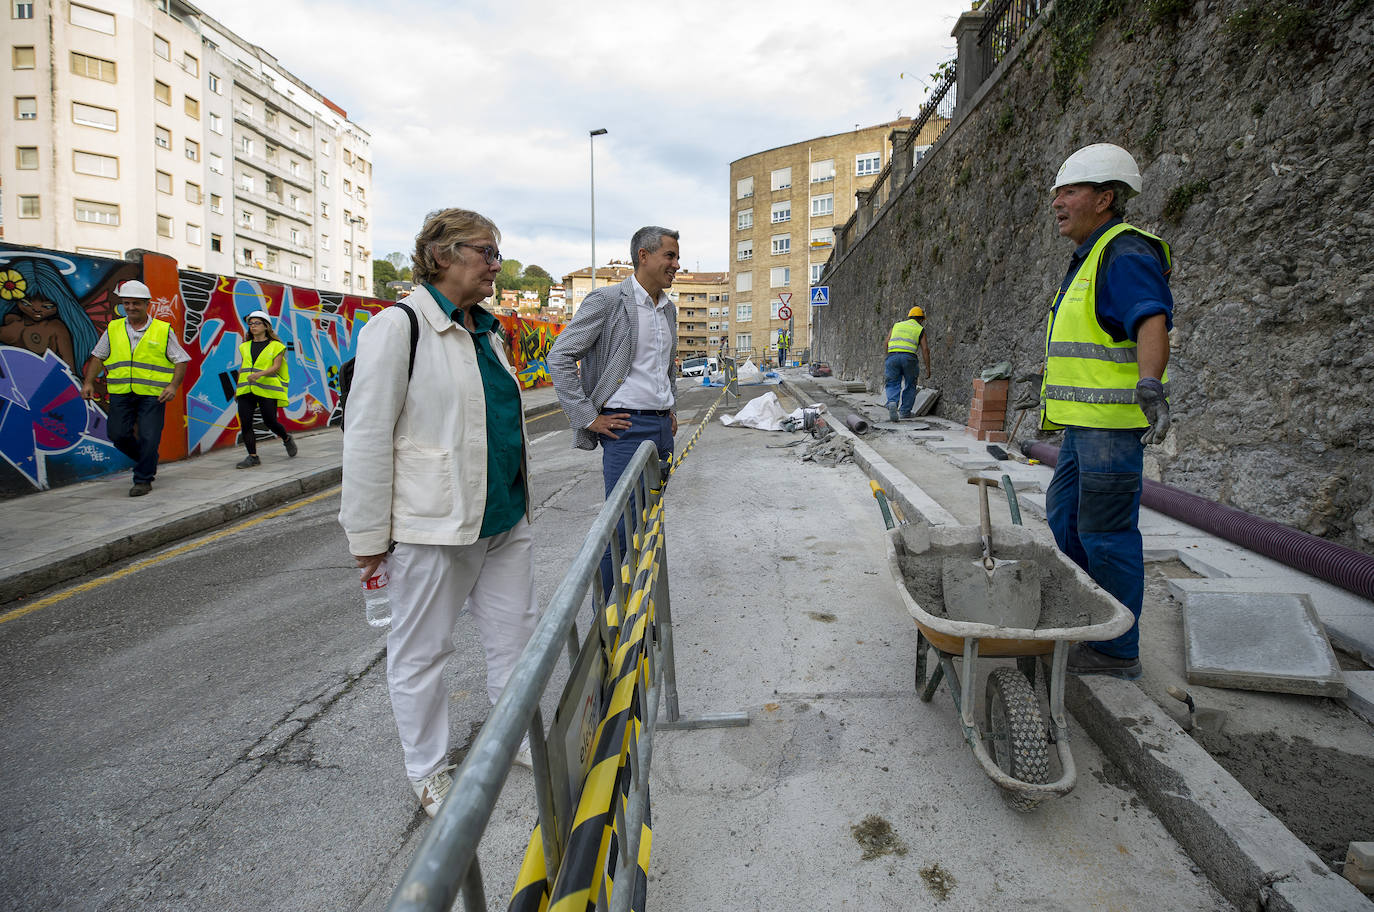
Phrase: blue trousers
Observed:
(1093, 506)
(616, 455)
(899, 368)
(135, 427)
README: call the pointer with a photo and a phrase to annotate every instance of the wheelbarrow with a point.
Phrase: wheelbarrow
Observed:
(1013, 746)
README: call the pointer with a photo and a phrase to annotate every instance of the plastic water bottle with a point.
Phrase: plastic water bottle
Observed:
(376, 599)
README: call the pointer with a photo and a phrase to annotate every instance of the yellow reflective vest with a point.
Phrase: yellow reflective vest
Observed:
(146, 370)
(1090, 378)
(906, 337)
(269, 386)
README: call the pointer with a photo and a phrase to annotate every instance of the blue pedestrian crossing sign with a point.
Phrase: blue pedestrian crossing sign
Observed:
(820, 295)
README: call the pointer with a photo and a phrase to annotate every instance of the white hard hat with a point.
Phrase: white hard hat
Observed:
(1099, 163)
(261, 315)
(133, 289)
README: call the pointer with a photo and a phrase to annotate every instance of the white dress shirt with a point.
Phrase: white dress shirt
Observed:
(646, 386)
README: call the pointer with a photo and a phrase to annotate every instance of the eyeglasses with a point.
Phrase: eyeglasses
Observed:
(493, 256)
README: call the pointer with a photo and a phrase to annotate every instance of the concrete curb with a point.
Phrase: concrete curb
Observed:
(1245, 851)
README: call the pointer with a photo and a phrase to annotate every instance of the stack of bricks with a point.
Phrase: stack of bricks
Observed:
(988, 416)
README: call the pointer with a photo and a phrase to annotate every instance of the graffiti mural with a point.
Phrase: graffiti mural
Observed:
(530, 344)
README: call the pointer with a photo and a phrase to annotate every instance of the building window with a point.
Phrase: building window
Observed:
(164, 226)
(823, 205)
(324, 242)
(93, 19)
(95, 165)
(92, 116)
(164, 182)
(193, 234)
(779, 276)
(348, 279)
(26, 158)
(162, 136)
(21, 58)
(744, 281)
(214, 84)
(161, 47)
(822, 170)
(324, 178)
(782, 212)
(822, 237)
(190, 64)
(324, 147)
(216, 124)
(744, 341)
(216, 203)
(97, 213)
(29, 207)
(25, 107)
(295, 235)
(348, 187)
(246, 145)
(216, 244)
(295, 269)
(782, 243)
(324, 273)
(324, 210)
(744, 187)
(362, 196)
(193, 194)
(295, 168)
(93, 67)
(868, 163)
(245, 218)
(782, 178)
(193, 150)
(744, 250)
(744, 312)
(192, 108)
(216, 163)
(816, 270)
(22, 9)
(162, 91)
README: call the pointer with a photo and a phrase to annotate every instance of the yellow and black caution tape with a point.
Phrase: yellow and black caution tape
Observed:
(677, 460)
(589, 860)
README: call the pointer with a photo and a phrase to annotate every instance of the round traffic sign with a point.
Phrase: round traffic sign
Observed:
(784, 312)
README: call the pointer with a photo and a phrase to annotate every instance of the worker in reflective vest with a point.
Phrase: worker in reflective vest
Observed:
(903, 363)
(145, 365)
(1105, 384)
(264, 379)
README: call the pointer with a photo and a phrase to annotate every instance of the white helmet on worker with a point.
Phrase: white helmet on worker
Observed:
(1100, 163)
(133, 289)
(258, 315)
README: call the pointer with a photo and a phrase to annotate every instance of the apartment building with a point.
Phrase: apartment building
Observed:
(785, 204)
(147, 124)
(703, 312)
(581, 282)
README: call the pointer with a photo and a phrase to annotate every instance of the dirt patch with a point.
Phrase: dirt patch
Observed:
(877, 838)
(825, 617)
(1324, 796)
(938, 881)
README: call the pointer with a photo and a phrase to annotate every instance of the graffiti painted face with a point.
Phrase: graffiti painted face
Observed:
(37, 310)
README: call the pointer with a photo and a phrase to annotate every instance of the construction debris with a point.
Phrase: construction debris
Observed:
(829, 452)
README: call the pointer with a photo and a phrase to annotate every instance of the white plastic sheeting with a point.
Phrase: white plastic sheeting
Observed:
(764, 413)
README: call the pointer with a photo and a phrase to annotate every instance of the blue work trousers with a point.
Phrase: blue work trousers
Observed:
(1093, 507)
(616, 455)
(899, 368)
(134, 424)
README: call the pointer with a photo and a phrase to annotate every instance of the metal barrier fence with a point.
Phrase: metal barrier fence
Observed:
(618, 676)
(1007, 21)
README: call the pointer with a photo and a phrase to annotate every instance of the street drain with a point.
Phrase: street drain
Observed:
(876, 836)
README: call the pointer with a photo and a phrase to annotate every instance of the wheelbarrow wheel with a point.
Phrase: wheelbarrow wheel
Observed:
(1017, 731)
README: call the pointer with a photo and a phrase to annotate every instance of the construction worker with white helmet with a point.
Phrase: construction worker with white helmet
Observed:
(145, 365)
(903, 363)
(1105, 385)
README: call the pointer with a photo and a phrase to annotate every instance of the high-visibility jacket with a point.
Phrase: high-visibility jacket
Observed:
(1090, 378)
(268, 386)
(146, 370)
(906, 337)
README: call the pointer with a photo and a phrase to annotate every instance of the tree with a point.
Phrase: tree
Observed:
(398, 260)
(383, 274)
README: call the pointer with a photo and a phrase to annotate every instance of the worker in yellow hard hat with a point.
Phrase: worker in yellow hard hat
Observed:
(906, 346)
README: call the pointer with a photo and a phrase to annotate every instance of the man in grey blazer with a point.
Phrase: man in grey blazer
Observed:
(626, 339)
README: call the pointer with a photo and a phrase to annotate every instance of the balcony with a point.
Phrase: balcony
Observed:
(279, 136)
(304, 180)
(272, 203)
(272, 239)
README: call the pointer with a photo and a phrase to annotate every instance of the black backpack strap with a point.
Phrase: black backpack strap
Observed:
(414, 335)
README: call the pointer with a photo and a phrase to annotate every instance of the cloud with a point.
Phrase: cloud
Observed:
(489, 106)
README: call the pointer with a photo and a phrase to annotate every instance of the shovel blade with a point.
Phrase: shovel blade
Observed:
(1008, 595)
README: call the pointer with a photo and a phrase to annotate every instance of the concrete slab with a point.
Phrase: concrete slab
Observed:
(973, 462)
(1223, 649)
(925, 401)
(1360, 694)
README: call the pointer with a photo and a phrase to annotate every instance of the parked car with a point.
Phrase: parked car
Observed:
(695, 367)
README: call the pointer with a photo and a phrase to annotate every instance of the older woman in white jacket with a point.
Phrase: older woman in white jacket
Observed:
(436, 464)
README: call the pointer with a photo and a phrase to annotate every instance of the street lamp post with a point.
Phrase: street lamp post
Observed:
(591, 144)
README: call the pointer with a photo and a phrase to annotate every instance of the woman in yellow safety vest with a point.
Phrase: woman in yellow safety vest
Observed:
(262, 387)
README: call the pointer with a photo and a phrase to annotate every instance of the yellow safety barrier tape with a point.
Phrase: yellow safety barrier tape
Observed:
(677, 460)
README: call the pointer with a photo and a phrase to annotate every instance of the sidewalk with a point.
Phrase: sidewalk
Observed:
(53, 536)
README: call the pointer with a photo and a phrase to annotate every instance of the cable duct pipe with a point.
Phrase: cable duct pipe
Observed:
(1341, 566)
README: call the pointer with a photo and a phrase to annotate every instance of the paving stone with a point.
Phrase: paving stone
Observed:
(1258, 641)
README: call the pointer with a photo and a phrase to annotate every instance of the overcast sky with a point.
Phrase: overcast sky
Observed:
(488, 105)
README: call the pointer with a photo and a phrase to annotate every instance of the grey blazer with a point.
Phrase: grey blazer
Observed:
(602, 335)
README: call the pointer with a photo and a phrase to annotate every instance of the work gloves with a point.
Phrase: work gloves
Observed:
(1149, 392)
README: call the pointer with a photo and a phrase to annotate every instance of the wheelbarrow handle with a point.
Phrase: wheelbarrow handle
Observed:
(984, 516)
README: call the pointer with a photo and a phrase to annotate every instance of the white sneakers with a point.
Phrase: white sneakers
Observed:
(433, 789)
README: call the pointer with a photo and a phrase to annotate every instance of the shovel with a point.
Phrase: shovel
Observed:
(1003, 593)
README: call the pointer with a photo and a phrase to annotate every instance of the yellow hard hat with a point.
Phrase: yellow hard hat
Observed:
(915, 312)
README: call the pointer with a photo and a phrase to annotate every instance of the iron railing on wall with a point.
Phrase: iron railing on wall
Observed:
(1006, 22)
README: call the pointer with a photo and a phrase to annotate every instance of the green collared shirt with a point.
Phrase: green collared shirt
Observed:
(505, 443)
